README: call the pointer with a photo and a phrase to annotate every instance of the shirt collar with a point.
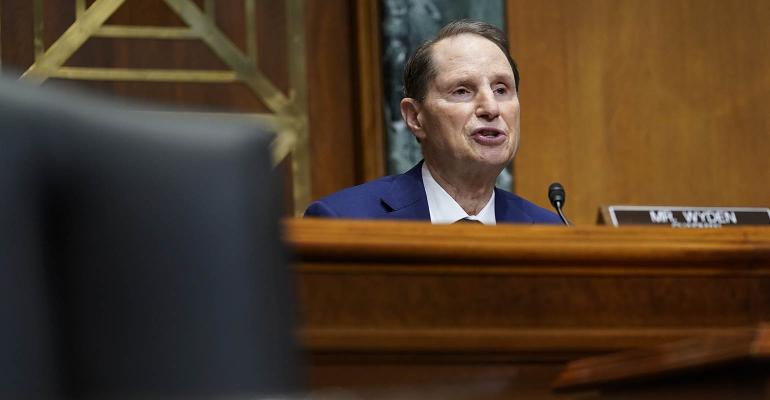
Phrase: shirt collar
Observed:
(445, 210)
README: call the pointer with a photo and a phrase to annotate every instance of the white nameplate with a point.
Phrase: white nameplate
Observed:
(688, 217)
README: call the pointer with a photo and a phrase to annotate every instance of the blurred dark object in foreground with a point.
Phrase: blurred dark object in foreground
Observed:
(139, 255)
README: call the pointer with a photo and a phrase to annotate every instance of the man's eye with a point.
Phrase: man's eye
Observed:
(501, 90)
(461, 91)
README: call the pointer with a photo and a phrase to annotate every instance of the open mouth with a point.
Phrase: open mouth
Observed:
(489, 136)
(488, 132)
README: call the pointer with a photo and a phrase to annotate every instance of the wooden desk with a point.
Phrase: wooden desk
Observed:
(706, 367)
(402, 302)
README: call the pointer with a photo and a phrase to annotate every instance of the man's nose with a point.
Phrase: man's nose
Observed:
(487, 107)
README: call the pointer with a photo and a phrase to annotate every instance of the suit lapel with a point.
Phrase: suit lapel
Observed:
(405, 199)
(507, 211)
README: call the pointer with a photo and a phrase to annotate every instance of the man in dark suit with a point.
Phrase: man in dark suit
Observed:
(461, 103)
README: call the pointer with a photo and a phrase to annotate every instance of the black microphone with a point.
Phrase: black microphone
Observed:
(558, 198)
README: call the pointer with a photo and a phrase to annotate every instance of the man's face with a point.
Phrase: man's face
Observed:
(468, 122)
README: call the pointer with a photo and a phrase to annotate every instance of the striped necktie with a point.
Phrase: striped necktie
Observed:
(467, 220)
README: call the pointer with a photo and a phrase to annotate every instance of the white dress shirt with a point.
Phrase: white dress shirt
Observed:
(445, 210)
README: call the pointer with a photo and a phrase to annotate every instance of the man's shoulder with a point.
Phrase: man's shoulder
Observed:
(539, 215)
(368, 190)
(360, 201)
(397, 196)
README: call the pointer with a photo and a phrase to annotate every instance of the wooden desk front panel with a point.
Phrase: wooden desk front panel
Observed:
(378, 294)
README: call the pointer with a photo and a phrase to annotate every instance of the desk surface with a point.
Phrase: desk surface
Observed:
(390, 240)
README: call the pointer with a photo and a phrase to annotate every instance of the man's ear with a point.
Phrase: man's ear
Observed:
(410, 112)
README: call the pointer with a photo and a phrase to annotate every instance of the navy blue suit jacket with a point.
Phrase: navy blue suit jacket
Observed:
(403, 197)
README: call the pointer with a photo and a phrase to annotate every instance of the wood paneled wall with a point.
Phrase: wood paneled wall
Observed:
(656, 102)
(332, 92)
(643, 102)
(330, 57)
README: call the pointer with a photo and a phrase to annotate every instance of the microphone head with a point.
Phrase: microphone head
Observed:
(556, 194)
